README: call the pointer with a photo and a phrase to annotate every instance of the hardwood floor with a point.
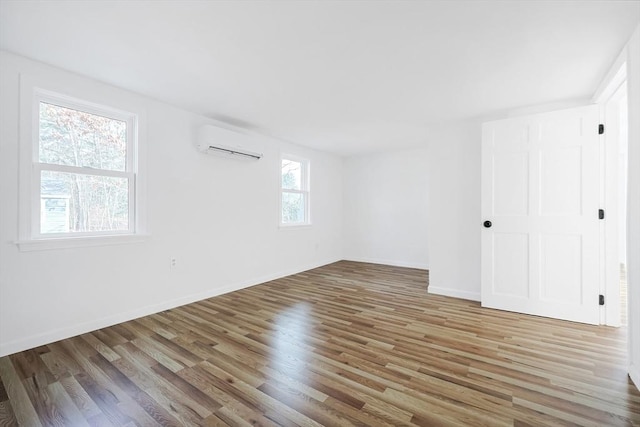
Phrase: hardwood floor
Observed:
(345, 344)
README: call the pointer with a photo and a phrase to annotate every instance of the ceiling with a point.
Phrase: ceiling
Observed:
(342, 76)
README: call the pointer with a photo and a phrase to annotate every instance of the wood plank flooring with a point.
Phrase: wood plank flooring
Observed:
(345, 344)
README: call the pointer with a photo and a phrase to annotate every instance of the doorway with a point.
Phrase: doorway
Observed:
(615, 145)
(544, 249)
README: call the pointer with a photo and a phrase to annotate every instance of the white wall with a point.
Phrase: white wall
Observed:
(454, 210)
(385, 208)
(218, 217)
(633, 205)
(420, 208)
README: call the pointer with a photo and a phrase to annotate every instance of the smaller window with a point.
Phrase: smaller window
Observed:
(294, 194)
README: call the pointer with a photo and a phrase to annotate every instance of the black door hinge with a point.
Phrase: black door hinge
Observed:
(600, 213)
(600, 129)
(601, 300)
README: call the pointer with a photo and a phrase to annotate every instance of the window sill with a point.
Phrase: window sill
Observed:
(294, 226)
(79, 242)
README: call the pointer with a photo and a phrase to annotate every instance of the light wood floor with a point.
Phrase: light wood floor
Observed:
(345, 344)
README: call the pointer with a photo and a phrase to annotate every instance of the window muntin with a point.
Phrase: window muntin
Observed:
(294, 198)
(84, 156)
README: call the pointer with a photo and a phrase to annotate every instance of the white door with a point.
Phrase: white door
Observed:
(540, 192)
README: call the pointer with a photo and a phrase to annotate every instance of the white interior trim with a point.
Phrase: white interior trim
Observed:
(394, 263)
(607, 91)
(79, 242)
(613, 79)
(451, 292)
(34, 89)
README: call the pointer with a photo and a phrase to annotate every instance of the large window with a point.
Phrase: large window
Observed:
(84, 169)
(294, 199)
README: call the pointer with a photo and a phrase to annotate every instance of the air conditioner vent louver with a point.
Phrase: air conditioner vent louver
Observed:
(235, 152)
(227, 143)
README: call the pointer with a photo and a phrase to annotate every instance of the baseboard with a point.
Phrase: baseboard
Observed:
(448, 292)
(634, 374)
(63, 333)
(388, 262)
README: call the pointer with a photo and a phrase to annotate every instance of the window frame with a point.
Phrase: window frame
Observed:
(305, 190)
(47, 97)
(32, 93)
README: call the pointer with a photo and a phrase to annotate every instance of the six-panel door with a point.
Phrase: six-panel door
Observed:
(540, 190)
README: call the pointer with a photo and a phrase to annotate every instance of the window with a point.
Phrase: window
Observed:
(294, 198)
(83, 169)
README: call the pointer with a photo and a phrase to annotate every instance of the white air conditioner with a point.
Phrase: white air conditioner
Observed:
(227, 143)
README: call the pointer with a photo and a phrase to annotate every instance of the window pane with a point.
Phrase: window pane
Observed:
(291, 175)
(54, 214)
(292, 207)
(75, 138)
(71, 202)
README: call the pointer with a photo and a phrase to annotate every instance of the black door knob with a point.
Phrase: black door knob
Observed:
(487, 224)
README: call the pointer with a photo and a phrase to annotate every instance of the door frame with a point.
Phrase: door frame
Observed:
(610, 177)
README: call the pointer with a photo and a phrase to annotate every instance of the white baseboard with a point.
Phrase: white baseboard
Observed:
(82, 328)
(448, 292)
(392, 263)
(634, 374)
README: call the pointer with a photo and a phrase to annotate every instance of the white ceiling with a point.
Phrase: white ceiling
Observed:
(347, 77)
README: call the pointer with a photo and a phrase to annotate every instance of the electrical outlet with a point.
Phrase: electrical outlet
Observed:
(173, 263)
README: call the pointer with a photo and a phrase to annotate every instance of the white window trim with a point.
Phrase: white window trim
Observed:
(306, 184)
(33, 92)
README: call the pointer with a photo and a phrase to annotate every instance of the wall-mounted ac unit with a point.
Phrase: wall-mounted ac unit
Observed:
(227, 143)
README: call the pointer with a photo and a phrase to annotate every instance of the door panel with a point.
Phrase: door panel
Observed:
(561, 268)
(511, 275)
(511, 180)
(540, 190)
(561, 181)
